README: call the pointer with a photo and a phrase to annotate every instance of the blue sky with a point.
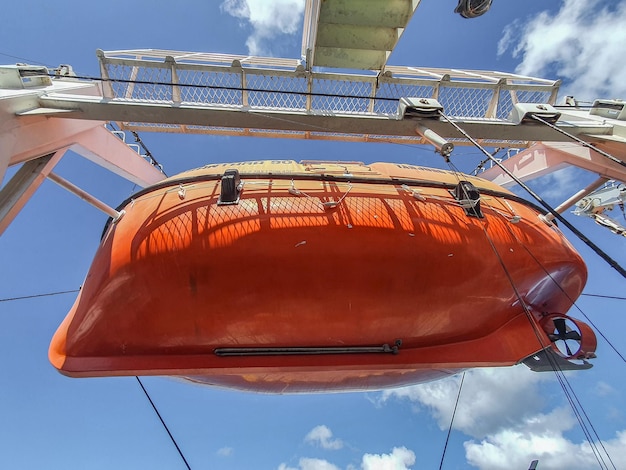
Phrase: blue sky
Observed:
(50, 421)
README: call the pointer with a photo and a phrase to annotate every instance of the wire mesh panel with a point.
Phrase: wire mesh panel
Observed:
(509, 97)
(340, 95)
(209, 86)
(465, 102)
(276, 91)
(284, 85)
(244, 81)
(388, 93)
(138, 82)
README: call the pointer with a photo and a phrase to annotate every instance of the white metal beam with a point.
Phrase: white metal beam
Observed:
(4, 164)
(16, 193)
(36, 136)
(108, 151)
(173, 91)
(546, 157)
(169, 117)
(28, 131)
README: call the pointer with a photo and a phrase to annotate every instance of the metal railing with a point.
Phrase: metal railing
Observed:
(283, 84)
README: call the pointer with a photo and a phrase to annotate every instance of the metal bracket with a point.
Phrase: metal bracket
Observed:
(547, 360)
(231, 188)
(469, 198)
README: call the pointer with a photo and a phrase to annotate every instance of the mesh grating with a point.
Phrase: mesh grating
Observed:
(262, 89)
(390, 93)
(258, 84)
(267, 91)
(210, 87)
(465, 102)
(341, 96)
(509, 97)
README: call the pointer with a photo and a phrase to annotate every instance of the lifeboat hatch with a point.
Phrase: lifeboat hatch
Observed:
(231, 188)
(385, 348)
(469, 198)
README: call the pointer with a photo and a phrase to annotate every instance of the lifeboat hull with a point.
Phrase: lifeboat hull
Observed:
(317, 277)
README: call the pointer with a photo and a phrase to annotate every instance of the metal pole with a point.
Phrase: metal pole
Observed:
(578, 196)
(86, 196)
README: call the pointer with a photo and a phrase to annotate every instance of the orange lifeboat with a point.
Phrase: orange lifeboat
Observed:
(279, 276)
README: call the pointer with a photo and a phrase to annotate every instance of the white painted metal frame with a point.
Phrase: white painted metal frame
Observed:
(309, 30)
(190, 92)
(229, 80)
(545, 157)
(173, 91)
(36, 138)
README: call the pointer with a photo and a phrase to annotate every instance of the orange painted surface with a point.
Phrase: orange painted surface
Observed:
(180, 276)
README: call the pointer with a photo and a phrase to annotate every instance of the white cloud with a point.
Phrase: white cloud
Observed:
(323, 436)
(603, 389)
(268, 18)
(310, 464)
(225, 452)
(516, 448)
(400, 458)
(502, 410)
(490, 399)
(582, 43)
(560, 184)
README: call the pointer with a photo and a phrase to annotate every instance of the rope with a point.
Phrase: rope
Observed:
(148, 153)
(614, 264)
(230, 88)
(30, 61)
(9, 299)
(458, 395)
(138, 380)
(565, 386)
(570, 395)
(139, 142)
(163, 423)
(605, 296)
(580, 141)
(612, 346)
